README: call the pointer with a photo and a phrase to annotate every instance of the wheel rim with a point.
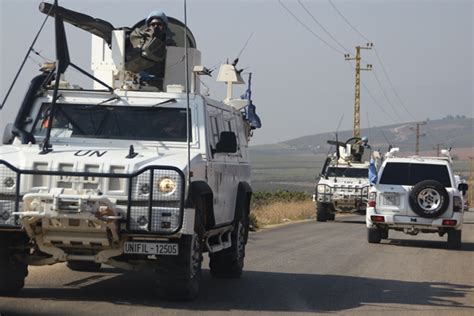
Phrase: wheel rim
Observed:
(430, 200)
(195, 256)
(240, 241)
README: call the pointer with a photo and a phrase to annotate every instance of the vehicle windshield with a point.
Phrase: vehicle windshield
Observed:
(114, 122)
(400, 173)
(347, 172)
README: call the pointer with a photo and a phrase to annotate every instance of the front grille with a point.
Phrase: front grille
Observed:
(150, 208)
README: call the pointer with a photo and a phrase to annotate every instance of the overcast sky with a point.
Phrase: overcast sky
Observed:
(300, 85)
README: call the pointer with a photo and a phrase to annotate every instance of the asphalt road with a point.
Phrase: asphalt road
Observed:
(302, 268)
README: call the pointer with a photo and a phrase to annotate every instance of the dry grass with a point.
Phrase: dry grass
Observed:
(280, 212)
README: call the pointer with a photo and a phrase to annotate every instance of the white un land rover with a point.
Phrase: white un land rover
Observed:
(126, 174)
(416, 195)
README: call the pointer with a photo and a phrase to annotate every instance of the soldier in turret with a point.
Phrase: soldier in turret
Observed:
(147, 54)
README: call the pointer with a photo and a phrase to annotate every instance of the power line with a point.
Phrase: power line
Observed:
(323, 28)
(369, 93)
(381, 63)
(309, 29)
(348, 23)
(386, 96)
(392, 86)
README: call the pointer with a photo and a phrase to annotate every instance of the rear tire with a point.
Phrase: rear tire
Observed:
(12, 273)
(454, 239)
(229, 263)
(384, 234)
(84, 266)
(322, 212)
(374, 235)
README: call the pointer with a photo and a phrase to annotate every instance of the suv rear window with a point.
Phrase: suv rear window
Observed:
(400, 173)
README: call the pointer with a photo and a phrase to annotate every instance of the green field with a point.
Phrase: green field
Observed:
(298, 172)
(294, 172)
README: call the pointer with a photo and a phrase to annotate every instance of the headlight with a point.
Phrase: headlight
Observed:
(144, 189)
(321, 188)
(9, 182)
(166, 185)
(365, 190)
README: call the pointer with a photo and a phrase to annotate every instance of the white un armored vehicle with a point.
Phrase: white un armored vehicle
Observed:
(130, 174)
(343, 184)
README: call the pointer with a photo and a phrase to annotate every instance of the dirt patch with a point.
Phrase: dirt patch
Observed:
(281, 212)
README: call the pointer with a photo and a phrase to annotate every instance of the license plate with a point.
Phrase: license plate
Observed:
(391, 199)
(151, 248)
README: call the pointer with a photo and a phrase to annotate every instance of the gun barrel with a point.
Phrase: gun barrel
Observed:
(85, 22)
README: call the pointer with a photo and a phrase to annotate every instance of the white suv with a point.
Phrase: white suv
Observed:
(416, 195)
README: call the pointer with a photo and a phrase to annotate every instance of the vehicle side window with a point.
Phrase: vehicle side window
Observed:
(230, 127)
(214, 130)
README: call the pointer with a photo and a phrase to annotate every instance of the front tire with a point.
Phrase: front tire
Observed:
(229, 263)
(179, 276)
(12, 274)
(84, 266)
(454, 239)
(322, 212)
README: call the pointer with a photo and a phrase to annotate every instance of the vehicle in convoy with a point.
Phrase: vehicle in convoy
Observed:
(343, 183)
(133, 175)
(416, 195)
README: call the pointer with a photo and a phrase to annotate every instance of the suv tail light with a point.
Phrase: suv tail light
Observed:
(377, 218)
(372, 198)
(449, 222)
(457, 204)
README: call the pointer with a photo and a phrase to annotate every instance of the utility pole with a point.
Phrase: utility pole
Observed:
(438, 149)
(357, 58)
(469, 181)
(418, 135)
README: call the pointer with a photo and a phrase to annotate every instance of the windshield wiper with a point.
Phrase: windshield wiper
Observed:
(166, 101)
(115, 97)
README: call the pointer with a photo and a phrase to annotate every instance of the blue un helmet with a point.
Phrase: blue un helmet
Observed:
(159, 15)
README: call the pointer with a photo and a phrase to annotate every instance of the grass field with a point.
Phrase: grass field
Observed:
(298, 172)
(294, 172)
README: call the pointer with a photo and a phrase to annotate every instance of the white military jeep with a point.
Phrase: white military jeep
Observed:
(343, 184)
(416, 195)
(129, 176)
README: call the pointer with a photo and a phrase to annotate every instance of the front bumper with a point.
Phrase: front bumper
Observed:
(343, 199)
(144, 209)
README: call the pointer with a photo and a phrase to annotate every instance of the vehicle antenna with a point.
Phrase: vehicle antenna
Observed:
(386, 139)
(368, 123)
(338, 154)
(245, 45)
(340, 121)
(186, 66)
(24, 60)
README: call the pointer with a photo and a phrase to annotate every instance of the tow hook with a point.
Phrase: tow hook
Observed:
(411, 231)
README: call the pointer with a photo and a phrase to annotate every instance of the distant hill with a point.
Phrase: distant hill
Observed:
(294, 164)
(456, 132)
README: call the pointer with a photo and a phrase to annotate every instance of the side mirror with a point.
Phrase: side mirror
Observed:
(8, 134)
(463, 187)
(227, 143)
